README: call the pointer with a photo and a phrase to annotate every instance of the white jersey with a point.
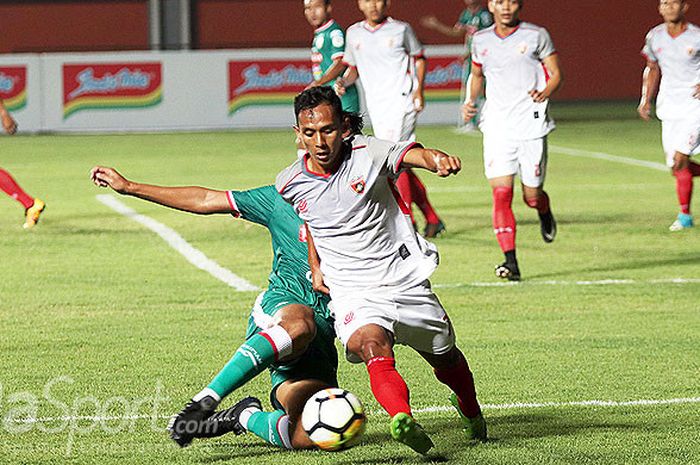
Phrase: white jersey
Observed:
(513, 67)
(385, 60)
(679, 60)
(359, 223)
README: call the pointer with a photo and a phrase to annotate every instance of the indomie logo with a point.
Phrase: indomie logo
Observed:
(290, 75)
(7, 83)
(123, 79)
(13, 86)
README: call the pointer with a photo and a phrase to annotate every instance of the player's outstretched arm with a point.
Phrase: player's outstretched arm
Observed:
(551, 63)
(197, 200)
(418, 94)
(650, 85)
(8, 123)
(334, 72)
(346, 80)
(315, 264)
(432, 160)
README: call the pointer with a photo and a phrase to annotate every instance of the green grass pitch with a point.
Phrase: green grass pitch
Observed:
(99, 317)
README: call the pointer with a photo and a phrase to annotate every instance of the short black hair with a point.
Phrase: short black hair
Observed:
(325, 95)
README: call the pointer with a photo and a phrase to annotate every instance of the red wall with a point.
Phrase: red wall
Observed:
(63, 25)
(598, 40)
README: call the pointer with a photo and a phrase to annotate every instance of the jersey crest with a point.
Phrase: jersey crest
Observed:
(358, 185)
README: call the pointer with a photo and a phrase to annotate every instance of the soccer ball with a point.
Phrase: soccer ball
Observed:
(334, 419)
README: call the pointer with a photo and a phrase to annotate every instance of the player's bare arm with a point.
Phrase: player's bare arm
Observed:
(335, 71)
(315, 263)
(475, 87)
(418, 94)
(432, 22)
(199, 200)
(8, 123)
(433, 160)
(346, 80)
(696, 94)
(650, 86)
(555, 79)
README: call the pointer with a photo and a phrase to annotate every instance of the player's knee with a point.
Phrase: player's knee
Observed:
(301, 328)
(532, 202)
(369, 347)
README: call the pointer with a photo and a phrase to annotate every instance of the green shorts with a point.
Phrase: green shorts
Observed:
(320, 361)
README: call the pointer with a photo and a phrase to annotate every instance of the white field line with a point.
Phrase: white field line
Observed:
(435, 409)
(608, 157)
(601, 282)
(177, 242)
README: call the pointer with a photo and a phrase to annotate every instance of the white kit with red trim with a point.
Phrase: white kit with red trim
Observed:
(363, 236)
(513, 67)
(385, 60)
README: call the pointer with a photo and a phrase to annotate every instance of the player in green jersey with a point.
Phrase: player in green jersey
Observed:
(472, 19)
(327, 50)
(290, 329)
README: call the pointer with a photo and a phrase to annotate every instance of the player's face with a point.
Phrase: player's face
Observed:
(673, 11)
(374, 10)
(321, 131)
(505, 12)
(317, 12)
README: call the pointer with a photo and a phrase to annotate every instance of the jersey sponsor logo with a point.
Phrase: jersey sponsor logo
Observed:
(13, 87)
(358, 185)
(337, 38)
(348, 318)
(108, 86)
(256, 83)
(318, 42)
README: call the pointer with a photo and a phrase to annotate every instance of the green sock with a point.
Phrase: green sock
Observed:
(272, 427)
(256, 354)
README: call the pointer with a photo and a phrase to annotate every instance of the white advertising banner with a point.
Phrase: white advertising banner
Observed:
(192, 90)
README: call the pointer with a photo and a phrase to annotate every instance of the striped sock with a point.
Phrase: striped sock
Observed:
(254, 356)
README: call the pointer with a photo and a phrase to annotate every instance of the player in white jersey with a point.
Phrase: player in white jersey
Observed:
(388, 58)
(520, 64)
(371, 258)
(672, 51)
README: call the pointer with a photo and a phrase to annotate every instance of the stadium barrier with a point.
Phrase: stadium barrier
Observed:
(192, 90)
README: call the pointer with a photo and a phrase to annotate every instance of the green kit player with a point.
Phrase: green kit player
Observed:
(290, 329)
(327, 50)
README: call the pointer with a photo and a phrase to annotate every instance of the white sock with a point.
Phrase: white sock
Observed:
(245, 416)
(206, 392)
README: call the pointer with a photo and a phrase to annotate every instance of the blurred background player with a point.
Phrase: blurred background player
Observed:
(473, 18)
(32, 206)
(521, 66)
(327, 51)
(375, 264)
(290, 329)
(388, 58)
(672, 51)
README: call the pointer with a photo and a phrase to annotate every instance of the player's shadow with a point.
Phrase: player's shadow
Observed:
(228, 451)
(630, 264)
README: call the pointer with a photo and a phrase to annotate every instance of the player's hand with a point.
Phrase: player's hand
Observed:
(430, 21)
(317, 282)
(339, 86)
(469, 110)
(539, 96)
(109, 177)
(644, 110)
(418, 100)
(9, 124)
(445, 164)
(696, 94)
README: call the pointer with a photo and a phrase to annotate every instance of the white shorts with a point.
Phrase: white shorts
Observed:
(680, 136)
(526, 158)
(394, 127)
(413, 315)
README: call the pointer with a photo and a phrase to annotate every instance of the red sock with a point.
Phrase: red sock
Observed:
(12, 189)
(460, 379)
(403, 185)
(684, 188)
(388, 386)
(541, 203)
(503, 218)
(420, 197)
(694, 169)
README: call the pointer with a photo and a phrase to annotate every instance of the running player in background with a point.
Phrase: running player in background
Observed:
(327, 50)
(290, 329)
(672, 51)
(388, 58)
(32, 206)
(521, 66)
(375, 265)
(473, 19)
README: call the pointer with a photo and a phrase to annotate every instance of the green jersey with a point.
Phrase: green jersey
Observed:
(476, 21)
(329, 45)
